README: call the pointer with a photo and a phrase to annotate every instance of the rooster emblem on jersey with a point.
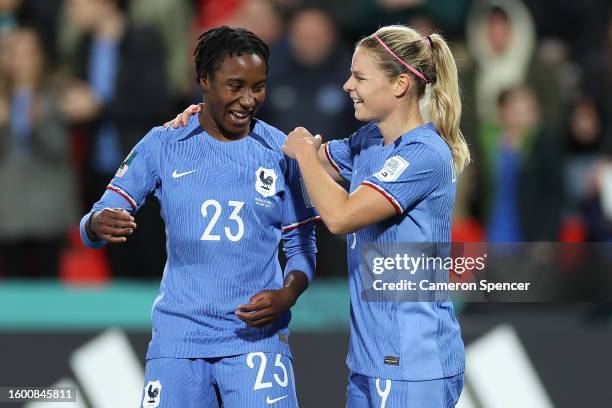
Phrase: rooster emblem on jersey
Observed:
(152, 395)
(265, 181)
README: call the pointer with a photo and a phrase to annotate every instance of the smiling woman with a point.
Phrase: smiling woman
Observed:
(227, 195)
(402, 175)
(233, 82)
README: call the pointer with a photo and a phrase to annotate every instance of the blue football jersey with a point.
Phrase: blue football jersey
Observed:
(226, 206)
(392, 339)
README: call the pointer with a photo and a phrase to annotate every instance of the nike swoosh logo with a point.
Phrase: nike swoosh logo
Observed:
(177, 175)
(270, 401)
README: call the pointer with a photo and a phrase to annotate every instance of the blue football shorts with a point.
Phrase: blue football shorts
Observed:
(368, 392)
(248, 380)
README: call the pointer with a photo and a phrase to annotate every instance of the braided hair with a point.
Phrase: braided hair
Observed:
(217, 43)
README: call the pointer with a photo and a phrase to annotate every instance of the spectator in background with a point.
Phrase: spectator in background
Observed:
(38, 202)
(8, 23)
(263, 17)
(121, 93)
(523, 190)
(598, 82)
(8, 15)
(305, 89)
(590, 146)
(502, 41)
(173, 19)
(305, 86)
(588, 178)
(42, 15)
(584, 141)
(360, 16)
(211, 13)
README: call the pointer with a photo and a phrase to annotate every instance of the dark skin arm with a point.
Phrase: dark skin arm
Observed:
(112, 225)
(268, 305)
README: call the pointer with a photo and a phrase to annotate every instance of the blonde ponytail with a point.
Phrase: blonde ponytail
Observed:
(400, 49)
(445, 102)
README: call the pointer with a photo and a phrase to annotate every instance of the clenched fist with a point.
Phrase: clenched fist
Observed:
(300, 140)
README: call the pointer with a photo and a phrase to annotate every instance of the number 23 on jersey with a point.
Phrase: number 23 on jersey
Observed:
(213, 210)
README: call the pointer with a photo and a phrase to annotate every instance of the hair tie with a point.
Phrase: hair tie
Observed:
(410, 67)
(429, 42)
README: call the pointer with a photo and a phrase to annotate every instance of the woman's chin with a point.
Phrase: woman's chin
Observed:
(361, 116)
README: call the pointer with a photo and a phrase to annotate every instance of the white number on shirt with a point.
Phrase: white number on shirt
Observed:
(260, 373)
(237, 206)
(262, 368)
(285, 380)
(234, 216)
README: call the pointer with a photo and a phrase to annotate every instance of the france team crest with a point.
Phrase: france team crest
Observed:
(265, 182)
(152, 394)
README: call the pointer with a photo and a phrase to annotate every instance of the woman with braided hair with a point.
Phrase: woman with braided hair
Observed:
(228, 195)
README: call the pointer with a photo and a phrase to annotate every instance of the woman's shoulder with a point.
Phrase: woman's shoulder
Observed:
(428, 137)
(269, 136)
(365, 134)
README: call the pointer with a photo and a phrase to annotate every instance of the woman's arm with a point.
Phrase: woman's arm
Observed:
(327, 165)
(342, 213)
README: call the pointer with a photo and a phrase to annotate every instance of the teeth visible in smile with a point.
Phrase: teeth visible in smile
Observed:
(355, 100)
(240, 115)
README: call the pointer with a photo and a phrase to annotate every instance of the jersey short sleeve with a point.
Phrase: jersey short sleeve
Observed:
(340, 156)
(409, 174)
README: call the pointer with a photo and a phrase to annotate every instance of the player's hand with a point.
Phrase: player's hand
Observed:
(113, 225)
(300, 141)
(267, 306)
(183, 117)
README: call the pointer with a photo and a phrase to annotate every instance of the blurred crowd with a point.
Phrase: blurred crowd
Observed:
(81, 81)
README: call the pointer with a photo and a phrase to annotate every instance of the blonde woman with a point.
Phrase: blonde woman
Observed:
(402, 174)
(402, 190)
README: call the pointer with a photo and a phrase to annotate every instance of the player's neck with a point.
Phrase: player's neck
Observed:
(399, 122)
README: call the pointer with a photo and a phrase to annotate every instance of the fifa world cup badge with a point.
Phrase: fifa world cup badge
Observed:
(126, 164)
(392, 169)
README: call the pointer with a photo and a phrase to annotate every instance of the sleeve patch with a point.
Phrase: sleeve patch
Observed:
(307, 201)
(126, 164)
(392, 169)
